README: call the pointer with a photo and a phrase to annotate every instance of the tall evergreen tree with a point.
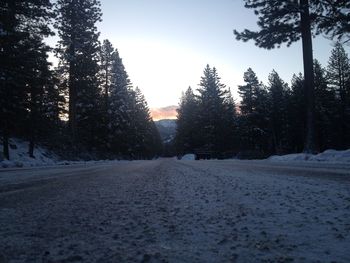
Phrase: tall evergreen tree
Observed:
(231, 119)
(120, 105)
(38, 77)
(211, 113)
(334, 18)
(23, 25)
(107, 57)
(287, 22)
(297, 114)
(325, 109)
(145, 141)
(78, 50)
(278, 92)
(339, 80)
(253, 108)
(186, 128)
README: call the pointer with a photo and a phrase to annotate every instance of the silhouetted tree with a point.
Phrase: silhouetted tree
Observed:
(297, 113)
(120, 106)
(325, 109)
(288, 21)
(231, 130)
(212, 117)
(107, 57)
(333, 18)
(186, 128)
(253, 120)
(78, 50)
(278, 97)
(23, 25)
(338, 73)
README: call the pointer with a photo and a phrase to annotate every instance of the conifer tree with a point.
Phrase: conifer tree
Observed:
(37, 74)
(120, 105)
(23, 25)
(289, 21)
(325, 106)
(286, 22)
(146, 140)
(78, 50)
(297, 114)
(333, 18)
(212, 120)
(107, 57)
(248, 92)
(186, 123)
(278, 92)
(253, 119)
(339, 80)
(231, 136)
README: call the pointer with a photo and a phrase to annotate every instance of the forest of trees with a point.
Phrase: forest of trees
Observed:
(86, 107)
(270, 118)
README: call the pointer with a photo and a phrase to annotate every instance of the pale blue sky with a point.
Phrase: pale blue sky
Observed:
(165, 45)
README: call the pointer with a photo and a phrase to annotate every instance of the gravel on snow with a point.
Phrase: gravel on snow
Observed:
(174, 211)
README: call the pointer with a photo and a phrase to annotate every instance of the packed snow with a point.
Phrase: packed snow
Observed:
(43, 157)
(326, 156)
(174, 211)
(19, 155)
(188, 157)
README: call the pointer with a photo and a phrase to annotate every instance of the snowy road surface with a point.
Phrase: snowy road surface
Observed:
(176, 211)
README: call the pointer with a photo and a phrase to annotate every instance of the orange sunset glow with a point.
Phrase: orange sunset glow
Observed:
(168, 112)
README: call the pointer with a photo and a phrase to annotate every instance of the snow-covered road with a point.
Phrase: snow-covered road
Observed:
(176, 211)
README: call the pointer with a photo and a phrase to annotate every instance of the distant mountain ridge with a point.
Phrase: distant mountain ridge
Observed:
(167, 129)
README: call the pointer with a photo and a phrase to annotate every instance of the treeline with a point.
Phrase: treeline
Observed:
(269, 119)
(86, 107)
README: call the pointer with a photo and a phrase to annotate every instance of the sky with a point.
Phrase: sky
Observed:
(166, 44)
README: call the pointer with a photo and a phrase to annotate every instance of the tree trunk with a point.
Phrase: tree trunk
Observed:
(31, 149)
(106, 86)
(72, 97)
(310, 145)
(5, 142)
(32, 121)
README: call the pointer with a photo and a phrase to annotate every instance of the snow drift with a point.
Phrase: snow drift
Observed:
(326, 156)
(19, 156)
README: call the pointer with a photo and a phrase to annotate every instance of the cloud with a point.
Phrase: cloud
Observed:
(168, 112)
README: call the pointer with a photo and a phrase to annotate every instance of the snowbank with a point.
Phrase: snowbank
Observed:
(188, 157)
(19, 156)
(326, 156)
(43, 157)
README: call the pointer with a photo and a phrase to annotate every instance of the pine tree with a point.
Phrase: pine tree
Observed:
(37, 77)
(297, 114)
(78, 51)
(287, 22)
(211, 112)
(120, 105)
(231, 119)
(23, 25)
(146, 142)
(278, 92)
(186, 124)
(334, 19)
(253, 109)
(339, 80)
(107, 57)
(248, 92)
(325, 105)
